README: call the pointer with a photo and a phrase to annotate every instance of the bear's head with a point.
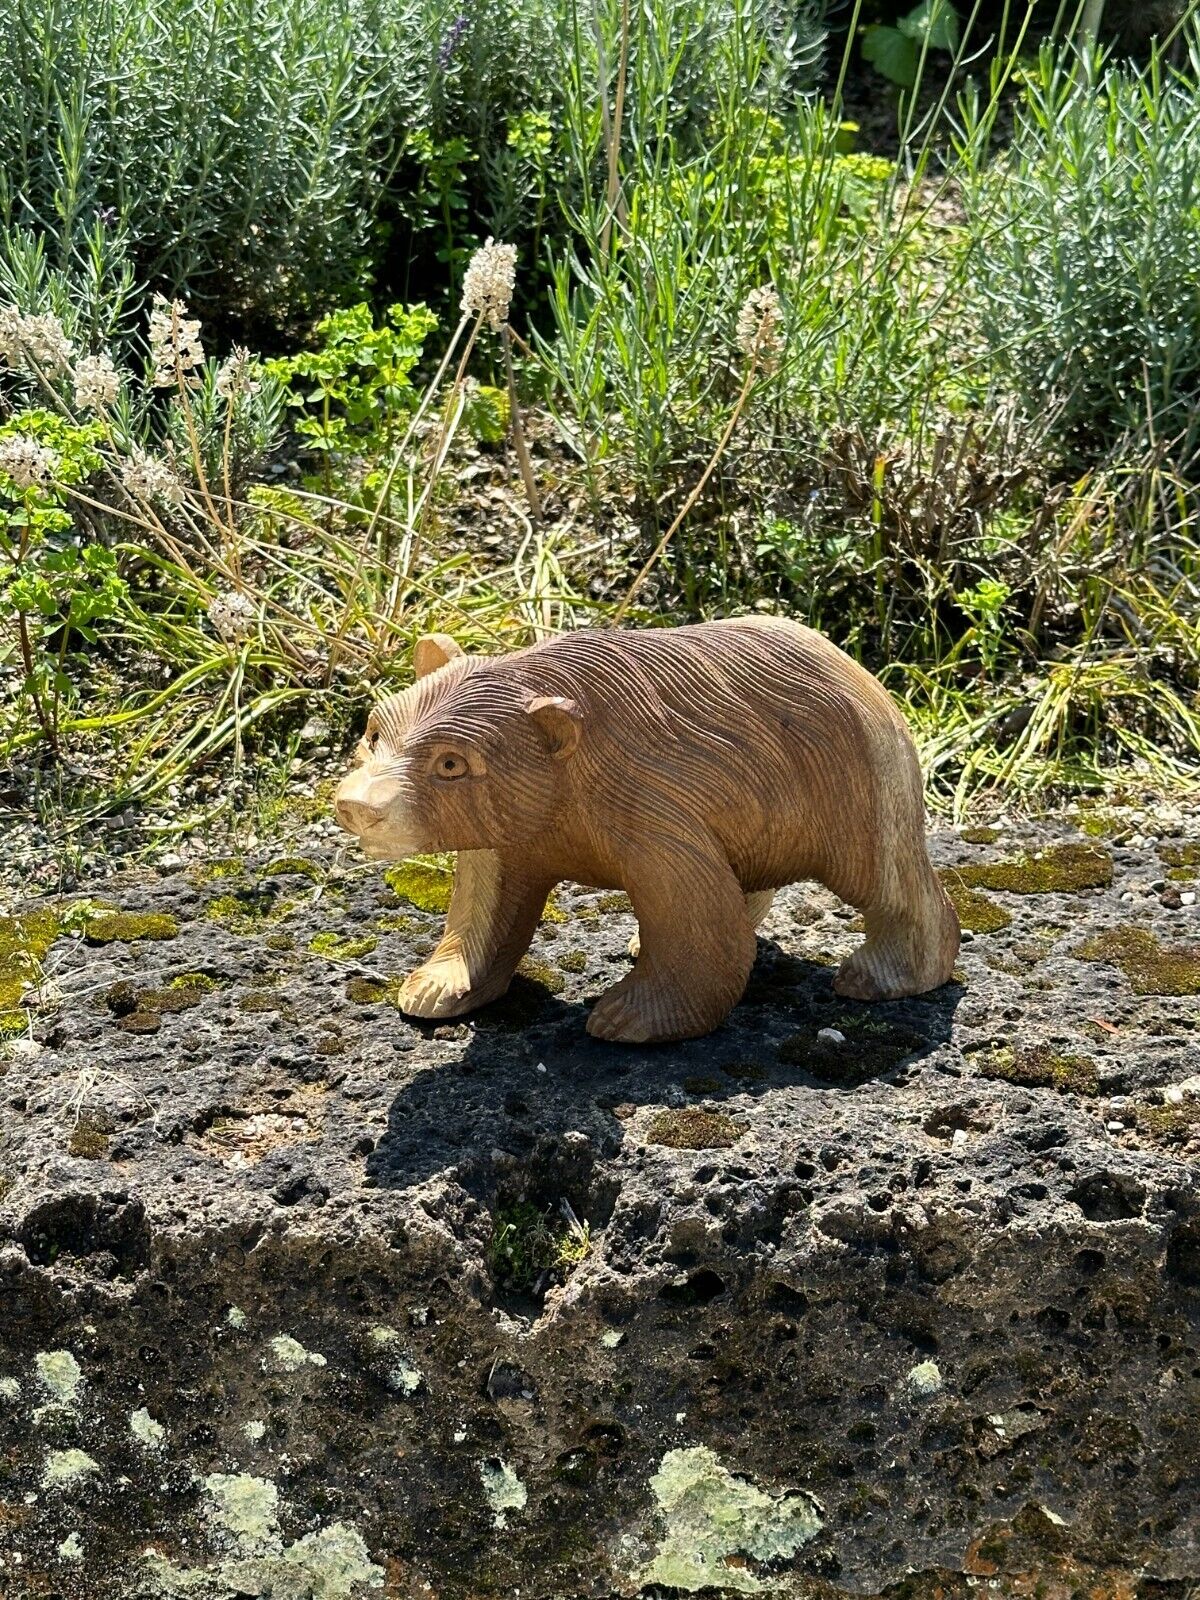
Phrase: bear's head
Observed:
(467, 759)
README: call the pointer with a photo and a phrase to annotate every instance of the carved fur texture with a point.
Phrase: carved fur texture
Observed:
(697, 768)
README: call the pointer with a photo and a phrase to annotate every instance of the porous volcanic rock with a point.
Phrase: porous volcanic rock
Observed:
(298, 1298)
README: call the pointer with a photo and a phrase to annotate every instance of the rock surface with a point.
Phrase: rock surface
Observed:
(300, 1299)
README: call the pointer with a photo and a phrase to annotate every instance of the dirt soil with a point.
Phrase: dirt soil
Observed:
(301, 1299)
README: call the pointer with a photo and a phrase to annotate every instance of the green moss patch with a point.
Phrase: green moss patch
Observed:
(1151, 968)
(1183, 861)
(614, 900)
(553, 911)
(89, 1136)
(543, 974)
(1040, 1067)
(573, 960)
(425, 882)
(293, 867)
(140, 1010)
(12, 1025)
(342, 948)
(1100, 824)
(975, 911)
(1170, 1125)
(872, 1047)
(701, 1085)
(373, 991)
(533, 1247)
(690, 1128)
(24, 944)
(979, 835)
(213, 871)
(248, 911)
(1060, 869)
(394, 922)
(128, 927)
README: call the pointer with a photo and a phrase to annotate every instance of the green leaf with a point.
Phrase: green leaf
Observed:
(891, 53)
(933, 20)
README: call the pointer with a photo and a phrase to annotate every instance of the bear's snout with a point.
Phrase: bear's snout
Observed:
(361, 803)
(356, 816)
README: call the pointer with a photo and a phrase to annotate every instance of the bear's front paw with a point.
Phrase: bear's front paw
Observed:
(435, 990)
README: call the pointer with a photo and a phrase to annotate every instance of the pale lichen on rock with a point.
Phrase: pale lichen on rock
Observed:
(712, 1521)
(502, 1489)
(146, 1430)
(60, 1375)
(289, 1355)
(330, 1563)
(65, 1467)
(925, 1379)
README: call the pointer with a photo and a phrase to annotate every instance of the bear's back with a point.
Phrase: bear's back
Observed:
(731, 672)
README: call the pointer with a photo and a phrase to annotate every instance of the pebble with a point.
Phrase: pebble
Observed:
(1187, 897)
(831, 1036)
(1174, 1096)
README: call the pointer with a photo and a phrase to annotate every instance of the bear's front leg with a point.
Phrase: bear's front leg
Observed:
(493, 913)
(697, 947)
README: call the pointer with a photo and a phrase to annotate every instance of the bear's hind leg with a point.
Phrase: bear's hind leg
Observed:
(494, 911)
(909, 949)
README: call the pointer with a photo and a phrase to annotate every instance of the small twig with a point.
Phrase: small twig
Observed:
(662, 544)
(518, 431)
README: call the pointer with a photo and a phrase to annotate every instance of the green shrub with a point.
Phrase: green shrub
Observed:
(273, 158)
(646, 351)
(233, 140)
(1086, 248)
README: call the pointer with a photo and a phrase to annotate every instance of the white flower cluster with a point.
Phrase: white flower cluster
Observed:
(34, 343)
(175, 348)
(235, 375)
(489, 281)
(96, 383)
(29, 464)
(759, 327)
(233, 616)
(150, 478)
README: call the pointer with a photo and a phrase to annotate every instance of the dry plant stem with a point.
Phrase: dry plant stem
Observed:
(614, 200)
(235, 561)
(602, 94)
(449, 420)
(722, 444)
(39, 710)
(190, 424)
(518, 430)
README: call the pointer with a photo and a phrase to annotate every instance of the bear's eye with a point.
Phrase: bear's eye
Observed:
(372, 739)
(449, 765)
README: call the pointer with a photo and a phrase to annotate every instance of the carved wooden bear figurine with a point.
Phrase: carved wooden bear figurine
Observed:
(697, 768)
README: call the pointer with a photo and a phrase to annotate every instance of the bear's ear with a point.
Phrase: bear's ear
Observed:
(431, 651)
(559, 721)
